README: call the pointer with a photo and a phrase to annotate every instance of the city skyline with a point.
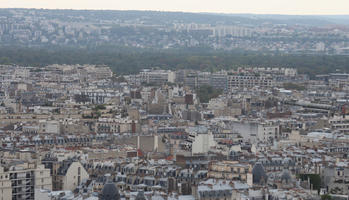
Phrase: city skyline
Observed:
(129, 102)
(297, 7)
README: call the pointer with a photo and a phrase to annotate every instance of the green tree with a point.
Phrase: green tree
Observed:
(206, 92)
(4, 60)
(99, 107)
(326, 197)
(293, 86)
(315, 180)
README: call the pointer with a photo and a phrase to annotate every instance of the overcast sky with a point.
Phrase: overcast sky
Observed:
(298, 7)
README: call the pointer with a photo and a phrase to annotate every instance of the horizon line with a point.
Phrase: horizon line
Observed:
(173, 11)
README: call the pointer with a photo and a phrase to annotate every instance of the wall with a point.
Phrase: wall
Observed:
(202, 143)
(70, 181)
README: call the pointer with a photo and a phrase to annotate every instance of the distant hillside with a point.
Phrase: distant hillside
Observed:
(157, 17)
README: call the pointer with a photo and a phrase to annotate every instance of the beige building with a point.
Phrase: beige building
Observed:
(222, 107)
(43, 179)
(268, 132)
(52, 127)
(5, 185)
(230, 170)
(157, 76)
(19, 180)
(69, 175)
(108, 125)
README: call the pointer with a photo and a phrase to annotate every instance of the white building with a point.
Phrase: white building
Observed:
(158, 76)
(290, 72)
(268, 132)
(256, 131)
(200, 141)
(249, 81)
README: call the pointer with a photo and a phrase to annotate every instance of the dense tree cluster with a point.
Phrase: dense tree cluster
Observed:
(206, 92)
(315, 180)
(125, 60)
(294, 86)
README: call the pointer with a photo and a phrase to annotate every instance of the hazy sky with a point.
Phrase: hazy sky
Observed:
(222, 6)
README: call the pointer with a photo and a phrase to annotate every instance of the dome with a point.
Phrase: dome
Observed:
(140, 196)
(110, 192)
(259, 175)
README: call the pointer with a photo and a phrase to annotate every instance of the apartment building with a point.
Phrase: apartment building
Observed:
(340, 123)
(229, 170)
(257, 131)
(68, 174)
(268, 132)
(5, 185)
(336, 179)
(117, 126)
(249, 81)
(214, 190)
(200, 142)
(219, 81)
(19, 180)
(158, 76)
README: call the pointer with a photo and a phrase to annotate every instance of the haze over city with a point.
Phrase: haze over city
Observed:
(292, 7)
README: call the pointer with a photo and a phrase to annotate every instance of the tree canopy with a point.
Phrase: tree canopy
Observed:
(206, 92)
(126, 60)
